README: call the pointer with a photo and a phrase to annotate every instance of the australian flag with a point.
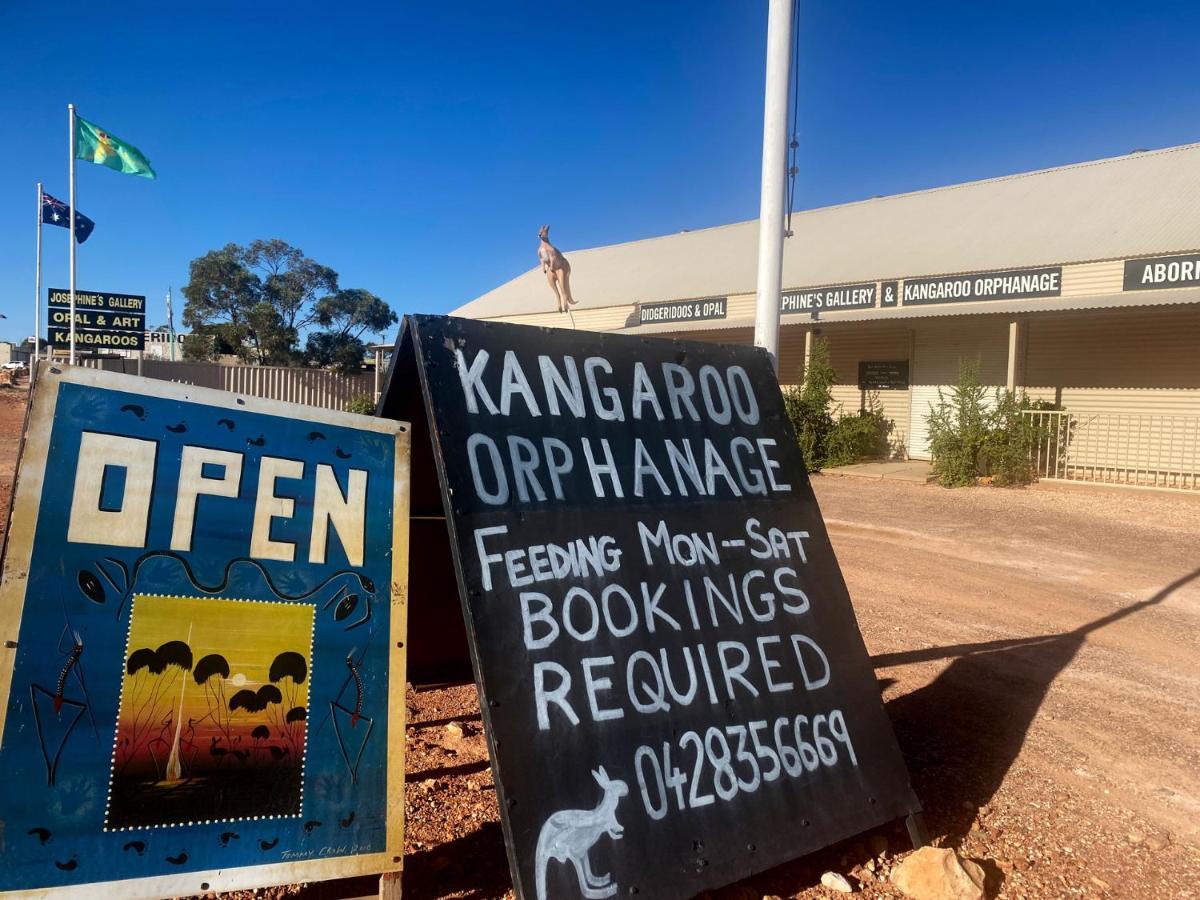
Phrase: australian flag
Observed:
(55, 212)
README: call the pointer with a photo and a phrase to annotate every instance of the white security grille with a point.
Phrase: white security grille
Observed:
(1118, 448)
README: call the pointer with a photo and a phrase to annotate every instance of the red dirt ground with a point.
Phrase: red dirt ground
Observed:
(1039, 654)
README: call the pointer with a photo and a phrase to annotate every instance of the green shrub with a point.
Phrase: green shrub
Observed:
(364, 406)
(972, 434)
(1009, 439)
(863, 435)
(958, 428)
(826, 436)
(808, 406)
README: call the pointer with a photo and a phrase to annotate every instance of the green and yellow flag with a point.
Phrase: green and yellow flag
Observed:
(96, 145)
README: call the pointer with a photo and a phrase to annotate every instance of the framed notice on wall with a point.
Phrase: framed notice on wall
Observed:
(883, 375)
(674, 689)
(203, 667)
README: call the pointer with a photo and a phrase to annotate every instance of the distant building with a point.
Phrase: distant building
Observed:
(1079, 285)
(159, 345)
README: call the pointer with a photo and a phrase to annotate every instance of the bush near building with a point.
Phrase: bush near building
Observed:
(975, 432)
(826, 440)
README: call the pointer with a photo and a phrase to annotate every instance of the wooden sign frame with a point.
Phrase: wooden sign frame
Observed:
(336, 848)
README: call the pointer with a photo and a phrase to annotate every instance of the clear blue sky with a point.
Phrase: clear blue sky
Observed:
(416, 148)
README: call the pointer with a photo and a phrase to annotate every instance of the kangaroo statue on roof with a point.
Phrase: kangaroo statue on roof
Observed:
(557, 269)
(570, 834)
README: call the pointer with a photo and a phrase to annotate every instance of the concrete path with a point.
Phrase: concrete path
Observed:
(914, 471)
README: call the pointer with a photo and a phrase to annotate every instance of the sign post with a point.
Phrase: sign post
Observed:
(203, 610)
(673, 685)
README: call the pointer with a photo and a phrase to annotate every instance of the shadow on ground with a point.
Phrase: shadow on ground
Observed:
(459, 867)
(961, 733)
(960, 736)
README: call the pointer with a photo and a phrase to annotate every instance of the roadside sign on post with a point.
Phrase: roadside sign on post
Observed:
(673, 685)
(203, 613)
(103, 321)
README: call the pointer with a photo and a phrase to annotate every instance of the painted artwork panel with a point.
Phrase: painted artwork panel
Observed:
(202, 634)
(214, 712)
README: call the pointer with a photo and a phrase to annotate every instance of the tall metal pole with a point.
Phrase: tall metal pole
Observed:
(774, 178)
(37, 283)
(71, 226)
(171, 323)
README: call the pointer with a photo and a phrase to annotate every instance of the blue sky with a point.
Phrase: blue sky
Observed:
(416, 148)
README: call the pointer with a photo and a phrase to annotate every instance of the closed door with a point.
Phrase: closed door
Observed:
(926, 395)
(923, 396)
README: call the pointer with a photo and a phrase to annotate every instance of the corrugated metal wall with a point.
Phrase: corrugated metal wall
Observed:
(941, 347)
(1128, 361)
(1130, 379)
(850, 346)
(1144, 361)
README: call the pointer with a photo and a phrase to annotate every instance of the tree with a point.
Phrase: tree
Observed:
(290, 281)
(255, 300)
(210, 341)
(344, 317)
(809, 405)
(219, 294)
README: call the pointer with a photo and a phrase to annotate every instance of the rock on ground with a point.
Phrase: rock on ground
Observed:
(935, 873)
(836, 882)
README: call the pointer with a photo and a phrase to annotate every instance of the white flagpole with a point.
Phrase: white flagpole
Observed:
(774, 172)
(71, 226)
(37, 284)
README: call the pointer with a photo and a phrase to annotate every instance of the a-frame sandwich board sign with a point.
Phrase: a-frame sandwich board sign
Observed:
(203, 621)
(673, 685)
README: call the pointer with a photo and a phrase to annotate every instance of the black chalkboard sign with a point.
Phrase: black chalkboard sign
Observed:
(674, 688)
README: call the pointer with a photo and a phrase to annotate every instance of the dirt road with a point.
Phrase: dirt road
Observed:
(1039, 654)
(12, 422)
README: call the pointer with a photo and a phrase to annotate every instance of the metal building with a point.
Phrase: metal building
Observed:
(1079, 285)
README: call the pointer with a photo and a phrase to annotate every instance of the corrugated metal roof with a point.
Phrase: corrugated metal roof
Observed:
(1140, 204)
(993, 307)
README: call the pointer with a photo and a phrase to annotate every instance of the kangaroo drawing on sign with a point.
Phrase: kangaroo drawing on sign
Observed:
(570, 834)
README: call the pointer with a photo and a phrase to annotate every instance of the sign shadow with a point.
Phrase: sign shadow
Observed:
(962, 733)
